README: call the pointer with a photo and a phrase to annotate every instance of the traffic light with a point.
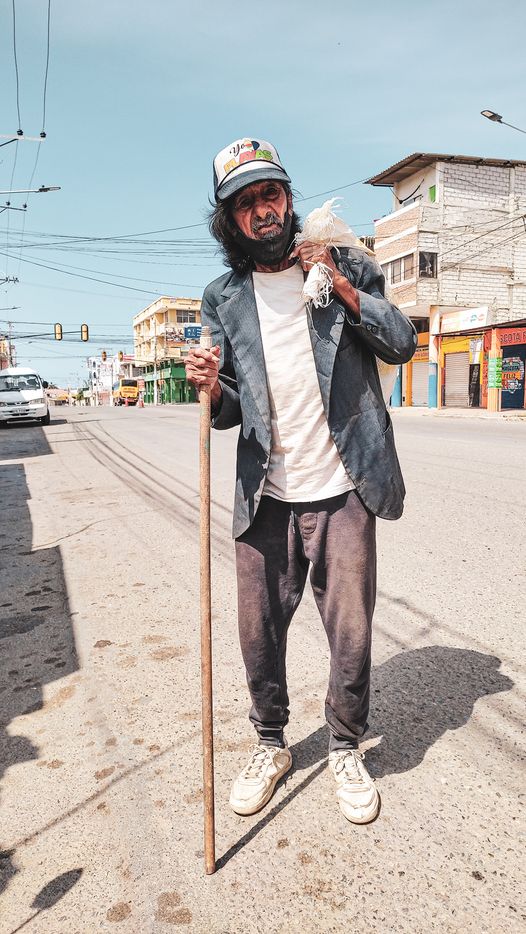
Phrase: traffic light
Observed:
(58, 332)
(121, 355)
(84, 332)
(103, 356)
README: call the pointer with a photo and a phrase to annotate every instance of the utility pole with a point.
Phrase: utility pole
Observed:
(154, 360)
(10, 346)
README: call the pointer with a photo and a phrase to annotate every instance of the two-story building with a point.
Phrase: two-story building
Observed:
(4, 352)
(160, 347)
(453, 251)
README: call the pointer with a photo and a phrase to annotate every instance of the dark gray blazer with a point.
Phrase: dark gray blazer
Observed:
(344, 353)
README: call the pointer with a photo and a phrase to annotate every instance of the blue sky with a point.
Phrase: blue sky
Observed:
(141, 95)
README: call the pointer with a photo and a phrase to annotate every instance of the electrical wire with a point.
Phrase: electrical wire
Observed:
(492, 246)
(62, 288)
(16, 68)
(22, 231)
(330, 191)
(47, 69)
(116, 285)
(508, 223)
(117, 275)
(8, 215)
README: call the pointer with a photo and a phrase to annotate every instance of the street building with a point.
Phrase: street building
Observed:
(4, 352)
(453, 252)
(104, 371)
(161, 334)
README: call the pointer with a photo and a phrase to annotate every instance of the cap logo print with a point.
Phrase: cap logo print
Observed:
(246, 151)
(244, 161)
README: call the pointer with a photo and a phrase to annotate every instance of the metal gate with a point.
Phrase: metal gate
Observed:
(457, 379)
(420, 382)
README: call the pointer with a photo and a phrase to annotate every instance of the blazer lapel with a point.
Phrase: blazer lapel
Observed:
(326, 326)
(239, 317)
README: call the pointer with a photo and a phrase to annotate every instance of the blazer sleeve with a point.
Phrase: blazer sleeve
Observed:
(383, 327)
(227, 414)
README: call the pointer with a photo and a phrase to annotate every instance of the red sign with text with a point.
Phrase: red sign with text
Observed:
(510, 336)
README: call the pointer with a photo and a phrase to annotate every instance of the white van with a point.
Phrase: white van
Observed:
(22, 396)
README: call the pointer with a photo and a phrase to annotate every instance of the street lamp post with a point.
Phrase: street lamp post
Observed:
(496, 118)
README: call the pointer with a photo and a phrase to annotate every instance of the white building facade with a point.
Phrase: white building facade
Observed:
(453, 251)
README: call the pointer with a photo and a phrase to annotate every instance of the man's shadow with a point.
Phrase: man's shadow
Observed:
(416, 697)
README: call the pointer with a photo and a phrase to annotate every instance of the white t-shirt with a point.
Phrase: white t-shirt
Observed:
(304, 463)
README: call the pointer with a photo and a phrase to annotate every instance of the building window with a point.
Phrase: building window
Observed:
(432, 192)
(186, 317)
(409, 266)
(427, 265)
(399, 270)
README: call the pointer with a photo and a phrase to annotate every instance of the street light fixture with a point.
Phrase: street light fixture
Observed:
(31, 191)
(496, 118)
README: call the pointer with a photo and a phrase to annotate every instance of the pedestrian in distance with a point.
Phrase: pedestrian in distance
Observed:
(316, 459)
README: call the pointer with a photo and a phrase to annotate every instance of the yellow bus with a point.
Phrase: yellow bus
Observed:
(125, 390)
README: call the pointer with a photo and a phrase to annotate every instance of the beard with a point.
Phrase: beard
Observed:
(271, 248)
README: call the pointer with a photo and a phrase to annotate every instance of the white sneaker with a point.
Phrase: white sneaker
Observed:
(357, 795)
(256, 783)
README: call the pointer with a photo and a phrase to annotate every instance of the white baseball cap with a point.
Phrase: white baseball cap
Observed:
(245, 161)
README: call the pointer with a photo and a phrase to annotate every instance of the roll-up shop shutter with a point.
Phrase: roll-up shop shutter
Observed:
(457, 379)
(420, 382)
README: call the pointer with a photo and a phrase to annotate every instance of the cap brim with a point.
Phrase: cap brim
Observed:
(231, 185)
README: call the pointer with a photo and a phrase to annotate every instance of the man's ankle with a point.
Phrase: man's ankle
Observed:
(272, 739)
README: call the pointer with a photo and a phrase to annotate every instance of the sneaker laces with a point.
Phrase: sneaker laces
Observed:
(346, 762)
(258, 761)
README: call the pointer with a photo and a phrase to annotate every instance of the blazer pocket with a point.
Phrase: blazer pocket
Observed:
(384, 425)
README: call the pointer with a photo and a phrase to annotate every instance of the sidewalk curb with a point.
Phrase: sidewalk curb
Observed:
(514, 415)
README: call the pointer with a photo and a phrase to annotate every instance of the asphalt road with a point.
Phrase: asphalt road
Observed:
(100, 695)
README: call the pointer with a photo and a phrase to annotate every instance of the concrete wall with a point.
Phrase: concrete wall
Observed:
(482, 250)
(477, 229)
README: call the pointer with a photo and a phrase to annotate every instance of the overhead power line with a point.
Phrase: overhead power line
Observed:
(492, 246)
(46, 72)
(116, 285)
(486, 233)
(16, 70)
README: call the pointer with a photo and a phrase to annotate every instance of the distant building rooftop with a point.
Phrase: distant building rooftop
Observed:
(420, 160)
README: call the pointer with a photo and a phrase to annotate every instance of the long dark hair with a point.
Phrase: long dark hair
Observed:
(222, 226)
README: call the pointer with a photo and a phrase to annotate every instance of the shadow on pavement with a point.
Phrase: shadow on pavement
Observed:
(417, 696)
(306, 753)
(37, 644)
(22, 440)
(51, 894)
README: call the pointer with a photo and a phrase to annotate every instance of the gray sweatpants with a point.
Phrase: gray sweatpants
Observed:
(336, 538)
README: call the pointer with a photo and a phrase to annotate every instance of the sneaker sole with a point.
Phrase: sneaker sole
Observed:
(247, 811)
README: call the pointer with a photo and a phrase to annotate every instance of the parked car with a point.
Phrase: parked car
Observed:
(22, 396)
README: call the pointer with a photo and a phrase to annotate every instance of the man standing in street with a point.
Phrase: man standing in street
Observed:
(316, 461)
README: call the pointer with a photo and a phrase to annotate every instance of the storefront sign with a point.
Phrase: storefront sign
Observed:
(464, 320)
(192, 332)
(421, 353)
(475, 350)
(495, 373)
(509, 336)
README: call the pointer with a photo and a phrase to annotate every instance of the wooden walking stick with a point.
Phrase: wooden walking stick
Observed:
(206, 619)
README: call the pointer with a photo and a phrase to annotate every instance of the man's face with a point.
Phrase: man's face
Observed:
(259, 209)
